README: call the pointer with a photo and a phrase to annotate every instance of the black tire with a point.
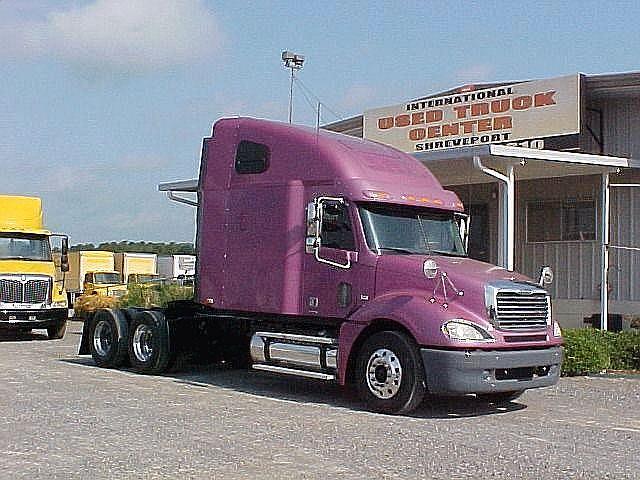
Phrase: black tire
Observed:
(149, 348)
(499, 398)
(56, 331)
(108, 336)
(395, 353)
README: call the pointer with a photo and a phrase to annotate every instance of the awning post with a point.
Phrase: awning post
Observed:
(508, 207)
(604, 246)
(511, 216)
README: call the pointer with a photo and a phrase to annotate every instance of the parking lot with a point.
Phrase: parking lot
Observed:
(64, 418)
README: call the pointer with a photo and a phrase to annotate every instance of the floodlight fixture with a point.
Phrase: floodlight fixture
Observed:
(292, 61)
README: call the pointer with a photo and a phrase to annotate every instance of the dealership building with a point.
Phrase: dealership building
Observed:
(549, 171)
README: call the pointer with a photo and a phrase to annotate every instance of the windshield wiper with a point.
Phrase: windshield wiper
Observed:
(448, 254)
(401, 250)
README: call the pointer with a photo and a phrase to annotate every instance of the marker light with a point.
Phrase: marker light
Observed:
(376, 195)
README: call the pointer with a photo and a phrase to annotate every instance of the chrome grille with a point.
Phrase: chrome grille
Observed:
(27, 291)
(10, 291)
(35, 291)
(521, 310)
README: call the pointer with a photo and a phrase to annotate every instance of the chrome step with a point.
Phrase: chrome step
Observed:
(293, 371)
(292, 337)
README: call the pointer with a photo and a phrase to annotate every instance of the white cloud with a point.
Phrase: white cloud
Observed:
(123, 36)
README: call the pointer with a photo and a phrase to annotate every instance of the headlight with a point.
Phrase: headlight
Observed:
(61, 304)
(465, 331)
(556, 330)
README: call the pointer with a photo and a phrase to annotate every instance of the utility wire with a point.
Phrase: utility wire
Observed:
(306, 89)
(309, 102)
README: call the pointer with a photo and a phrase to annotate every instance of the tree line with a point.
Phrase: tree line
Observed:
(171, 248)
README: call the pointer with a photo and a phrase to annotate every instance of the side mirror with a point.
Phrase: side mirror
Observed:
(430, 268)
(546, 276)
(312, 219)
(312, 241)
(64, 255)
(464, 224)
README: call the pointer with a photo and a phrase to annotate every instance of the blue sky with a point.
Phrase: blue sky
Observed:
(101, 100)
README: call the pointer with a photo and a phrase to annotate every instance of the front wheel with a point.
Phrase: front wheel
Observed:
(389, 373)
(56, 331)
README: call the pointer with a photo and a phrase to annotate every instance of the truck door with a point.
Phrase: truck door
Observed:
(336, 279)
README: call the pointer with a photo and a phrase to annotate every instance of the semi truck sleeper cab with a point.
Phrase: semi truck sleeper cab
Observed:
(335, 258)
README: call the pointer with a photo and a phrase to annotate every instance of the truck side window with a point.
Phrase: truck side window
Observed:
(336, 228)
(251, 157)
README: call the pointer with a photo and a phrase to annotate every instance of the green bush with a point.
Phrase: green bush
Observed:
(155, 295)
(624, 349)
(585, 351)
(589, 350)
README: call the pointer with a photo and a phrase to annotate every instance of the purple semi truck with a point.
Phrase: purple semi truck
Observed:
(339, 259)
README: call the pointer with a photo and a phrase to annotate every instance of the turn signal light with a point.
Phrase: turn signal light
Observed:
(376, 195)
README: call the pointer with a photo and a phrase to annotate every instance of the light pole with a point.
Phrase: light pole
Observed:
(293, 61)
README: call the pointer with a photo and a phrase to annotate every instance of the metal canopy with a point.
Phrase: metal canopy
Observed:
(455, 166)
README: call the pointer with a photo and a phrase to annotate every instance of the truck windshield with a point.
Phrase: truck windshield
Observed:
(399, 229)
(106, 278)
(140, 278)
(25, 247)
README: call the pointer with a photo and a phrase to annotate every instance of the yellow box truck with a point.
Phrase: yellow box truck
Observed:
(93, 272)
(137, 267)
(30, 295)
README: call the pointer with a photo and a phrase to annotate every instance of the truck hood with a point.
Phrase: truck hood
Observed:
(404, 273)
(14, 267)
(32, 267)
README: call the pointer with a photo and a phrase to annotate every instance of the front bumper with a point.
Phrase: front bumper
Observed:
(478, 371)
(16, 319)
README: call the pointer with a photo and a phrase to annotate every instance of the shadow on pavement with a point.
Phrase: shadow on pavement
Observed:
(24, 336)
(302, 391)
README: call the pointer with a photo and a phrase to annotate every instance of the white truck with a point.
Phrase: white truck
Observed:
(177, 267)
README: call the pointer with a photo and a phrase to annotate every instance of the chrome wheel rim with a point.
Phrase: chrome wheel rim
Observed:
(102, 338)
(384, 373)
(143, 343)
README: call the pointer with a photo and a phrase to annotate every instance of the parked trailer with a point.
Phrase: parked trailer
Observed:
(335, 258)
(179, 266)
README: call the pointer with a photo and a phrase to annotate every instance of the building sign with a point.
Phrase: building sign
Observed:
(500, 114)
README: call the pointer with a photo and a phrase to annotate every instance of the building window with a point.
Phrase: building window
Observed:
(568, 220)
(251, 157)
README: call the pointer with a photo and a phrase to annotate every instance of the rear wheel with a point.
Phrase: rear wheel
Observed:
(56, 331)
(108, 338)
(149, 349)
(389, 373)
